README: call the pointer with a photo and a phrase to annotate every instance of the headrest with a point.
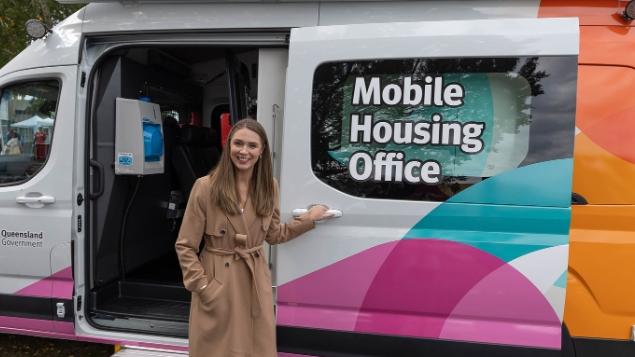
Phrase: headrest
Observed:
(170, 121)
(196, 136)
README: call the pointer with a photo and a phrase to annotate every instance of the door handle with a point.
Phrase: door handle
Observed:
(35, 200)
(335, 213)
(99, 168)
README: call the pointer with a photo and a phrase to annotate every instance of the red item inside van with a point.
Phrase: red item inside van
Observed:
(225, 127)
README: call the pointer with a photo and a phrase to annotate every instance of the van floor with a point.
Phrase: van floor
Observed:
(153, 291)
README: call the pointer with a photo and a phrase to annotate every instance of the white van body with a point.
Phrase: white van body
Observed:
(72, 250)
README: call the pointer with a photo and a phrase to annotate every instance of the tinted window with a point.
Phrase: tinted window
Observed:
(27, 118)
(425, 129)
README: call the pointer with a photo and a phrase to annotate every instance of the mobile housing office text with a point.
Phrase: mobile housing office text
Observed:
(443, 131)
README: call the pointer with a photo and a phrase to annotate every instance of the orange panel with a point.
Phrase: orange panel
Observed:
(601, 282)
(607, 45)
(601, 177)
(590, 12)
(604, 110)
(604, 156)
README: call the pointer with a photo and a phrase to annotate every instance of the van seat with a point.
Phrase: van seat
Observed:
(194, 156)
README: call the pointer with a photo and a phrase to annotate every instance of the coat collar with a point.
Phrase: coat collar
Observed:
(238, 223)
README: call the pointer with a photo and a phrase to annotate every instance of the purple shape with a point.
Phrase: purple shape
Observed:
(58, 285)
(419, 285)
(330, 297)
(505, 307)
(426, 288)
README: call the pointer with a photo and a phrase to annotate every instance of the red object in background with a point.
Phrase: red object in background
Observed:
(41, 148)
(41, 151)
(195, 119)
(225, 127)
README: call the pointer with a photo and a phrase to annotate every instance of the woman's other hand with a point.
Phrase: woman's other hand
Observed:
(319, 212)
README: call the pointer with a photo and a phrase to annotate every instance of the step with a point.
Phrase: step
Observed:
(130, 351)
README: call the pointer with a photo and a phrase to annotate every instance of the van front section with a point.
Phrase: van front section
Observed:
(37, 133)
(599, 313)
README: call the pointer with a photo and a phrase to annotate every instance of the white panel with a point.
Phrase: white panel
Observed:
(556, 297)
(543, 267)
(334, 13)
(131, 16)
(509, 37)
(334, 240)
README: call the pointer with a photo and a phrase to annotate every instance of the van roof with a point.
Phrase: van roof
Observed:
(201, 1)
(103, 17)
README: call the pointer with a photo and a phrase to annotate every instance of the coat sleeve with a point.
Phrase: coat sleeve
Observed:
(280, 233)
(189, 239)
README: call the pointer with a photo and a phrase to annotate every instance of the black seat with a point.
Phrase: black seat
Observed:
(195, 155)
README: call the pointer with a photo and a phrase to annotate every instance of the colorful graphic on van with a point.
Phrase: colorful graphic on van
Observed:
(486, 273)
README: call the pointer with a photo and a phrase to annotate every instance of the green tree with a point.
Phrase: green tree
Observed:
(15, 13)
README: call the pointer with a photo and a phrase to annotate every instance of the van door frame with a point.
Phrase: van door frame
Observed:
(94, 49)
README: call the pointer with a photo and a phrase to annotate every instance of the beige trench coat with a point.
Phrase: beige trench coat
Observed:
(233, 316)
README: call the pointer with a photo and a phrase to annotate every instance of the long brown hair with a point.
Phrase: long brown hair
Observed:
(223, 177)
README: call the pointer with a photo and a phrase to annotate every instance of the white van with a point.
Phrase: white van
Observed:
(442, 131)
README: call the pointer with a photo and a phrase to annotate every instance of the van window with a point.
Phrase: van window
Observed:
(429, 128)
(27, 118)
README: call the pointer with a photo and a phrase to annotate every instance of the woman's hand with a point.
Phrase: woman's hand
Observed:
(319, 212)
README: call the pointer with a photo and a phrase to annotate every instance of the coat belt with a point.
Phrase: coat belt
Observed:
(244, 254)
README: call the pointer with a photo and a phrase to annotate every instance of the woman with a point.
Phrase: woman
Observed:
(235, 209)
(12, 147)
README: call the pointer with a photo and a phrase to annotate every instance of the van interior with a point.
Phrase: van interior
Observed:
(134, 276)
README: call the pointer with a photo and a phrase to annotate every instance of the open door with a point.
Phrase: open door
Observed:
(447, 146)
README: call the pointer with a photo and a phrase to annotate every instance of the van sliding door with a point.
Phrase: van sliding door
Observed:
(447, 146)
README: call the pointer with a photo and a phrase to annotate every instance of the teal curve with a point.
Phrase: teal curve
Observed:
(508, 215)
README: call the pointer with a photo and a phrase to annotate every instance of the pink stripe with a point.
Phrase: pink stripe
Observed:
(62, 289)
(44, 328)
(504, 332)
(376, 322)
(26, 324)
(58, 285)
(312, 316)
(66, 331)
